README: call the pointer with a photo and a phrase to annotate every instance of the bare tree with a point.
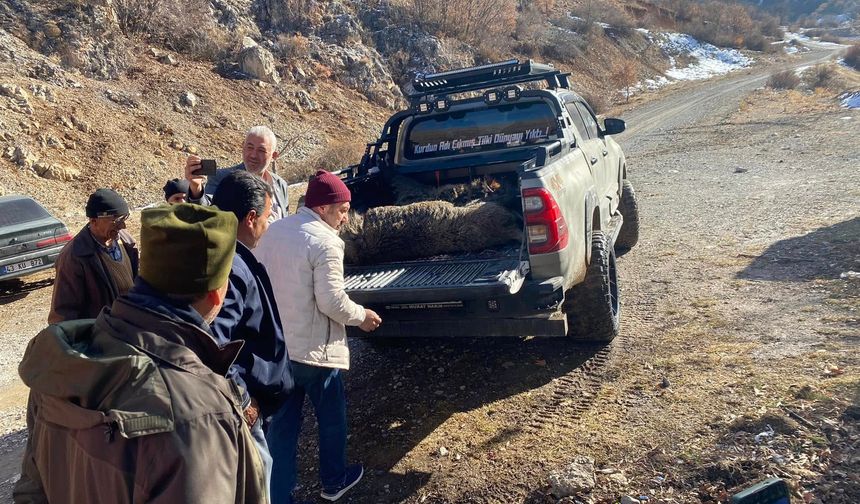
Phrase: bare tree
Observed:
(624, 76)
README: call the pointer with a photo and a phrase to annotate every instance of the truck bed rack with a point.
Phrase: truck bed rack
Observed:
(505, 73)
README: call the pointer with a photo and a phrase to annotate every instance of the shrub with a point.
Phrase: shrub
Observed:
(829, 37)
(852, 56)
(337, 154)
(530, 30)
(786, 79)
(478, 22)
(561, 46)
(619, 21)
(303, 16)
(821, 76)
(186, 27)
(136, 16)
(291, 47)
(598, 101)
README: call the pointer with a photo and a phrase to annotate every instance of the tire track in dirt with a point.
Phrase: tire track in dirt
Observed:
(568, 397)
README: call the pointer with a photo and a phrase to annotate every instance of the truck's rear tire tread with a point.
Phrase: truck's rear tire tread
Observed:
(593, 307)
(629, 208)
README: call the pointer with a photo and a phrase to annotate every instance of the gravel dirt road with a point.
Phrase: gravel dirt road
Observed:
(734, 314)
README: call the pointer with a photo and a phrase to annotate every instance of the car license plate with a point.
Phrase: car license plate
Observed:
(32, 263)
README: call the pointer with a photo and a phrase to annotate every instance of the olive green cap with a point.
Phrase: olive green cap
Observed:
(186, 249)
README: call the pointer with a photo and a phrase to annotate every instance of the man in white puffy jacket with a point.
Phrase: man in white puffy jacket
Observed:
(304, 256)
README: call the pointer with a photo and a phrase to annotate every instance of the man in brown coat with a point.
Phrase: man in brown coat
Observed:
(134, 407)
(98, 265)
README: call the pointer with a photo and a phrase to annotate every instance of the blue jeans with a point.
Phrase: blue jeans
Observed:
(324, 388)
(262, 446)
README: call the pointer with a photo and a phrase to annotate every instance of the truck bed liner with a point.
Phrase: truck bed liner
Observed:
(437, 274)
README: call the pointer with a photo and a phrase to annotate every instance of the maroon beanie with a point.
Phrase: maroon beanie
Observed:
(326, 188)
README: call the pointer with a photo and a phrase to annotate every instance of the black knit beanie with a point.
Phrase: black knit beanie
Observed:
(106, 203)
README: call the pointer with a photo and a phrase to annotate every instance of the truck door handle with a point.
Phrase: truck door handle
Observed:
(605, 153)
(593, 160)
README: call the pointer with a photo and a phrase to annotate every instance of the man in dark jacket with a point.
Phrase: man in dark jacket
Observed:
(249, 312)
(98, 265)
(134, 406)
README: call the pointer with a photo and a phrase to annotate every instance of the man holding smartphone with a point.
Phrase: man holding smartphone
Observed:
(259, 151)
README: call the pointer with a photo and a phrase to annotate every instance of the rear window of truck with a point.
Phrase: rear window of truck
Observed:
(480, 130)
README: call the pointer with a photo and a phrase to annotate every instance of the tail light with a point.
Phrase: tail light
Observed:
(56, 240)
(545, 225)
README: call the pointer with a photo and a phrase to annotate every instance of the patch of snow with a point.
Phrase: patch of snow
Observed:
(710, 60)
(851, 100)
(800, 37)
(598, 23)
(791, 49)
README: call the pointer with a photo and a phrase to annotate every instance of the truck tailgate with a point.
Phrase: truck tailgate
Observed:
(435, 280)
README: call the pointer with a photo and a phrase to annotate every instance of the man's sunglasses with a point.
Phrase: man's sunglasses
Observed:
(116, 220)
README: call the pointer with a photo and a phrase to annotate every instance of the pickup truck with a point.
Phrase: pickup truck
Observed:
(520, 123)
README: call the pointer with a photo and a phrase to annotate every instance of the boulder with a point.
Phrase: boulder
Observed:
(188, 99)
(66, 122)
(18, 96)
(56, 172)
(341, 29)
(305, 100)
(576, 478)
(257, 62)
(51, 30)
(23, 157)
(361, 68)
(83, 126)
(167, 59)
(43, 92)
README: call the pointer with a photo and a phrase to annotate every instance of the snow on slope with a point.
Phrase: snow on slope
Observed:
(707, 59)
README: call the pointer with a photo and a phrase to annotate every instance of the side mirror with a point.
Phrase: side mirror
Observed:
(612, 126)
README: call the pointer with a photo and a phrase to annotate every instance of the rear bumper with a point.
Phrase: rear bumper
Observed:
(468, 312)
(48, 256)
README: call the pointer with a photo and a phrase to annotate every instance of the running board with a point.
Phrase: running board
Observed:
(615, 224)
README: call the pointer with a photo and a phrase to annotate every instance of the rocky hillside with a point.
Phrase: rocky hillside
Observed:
(117, 92)
(792, 11)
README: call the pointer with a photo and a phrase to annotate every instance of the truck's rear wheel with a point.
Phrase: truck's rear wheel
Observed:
(593, 307)
(629, 208)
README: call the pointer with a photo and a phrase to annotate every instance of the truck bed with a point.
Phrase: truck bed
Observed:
(437, 279)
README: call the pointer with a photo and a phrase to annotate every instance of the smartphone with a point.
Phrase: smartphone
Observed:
(207, 167)
(772, 491)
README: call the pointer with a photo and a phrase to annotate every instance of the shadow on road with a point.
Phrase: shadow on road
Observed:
(400, 392)
(11, 451)
(822, 254)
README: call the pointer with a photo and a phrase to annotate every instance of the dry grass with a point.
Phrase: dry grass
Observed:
(186, 27)
(337, 154)
(786, 79)
(480, 22)
(824, 76)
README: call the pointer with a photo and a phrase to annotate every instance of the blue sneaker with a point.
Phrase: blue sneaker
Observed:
(353, 475)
